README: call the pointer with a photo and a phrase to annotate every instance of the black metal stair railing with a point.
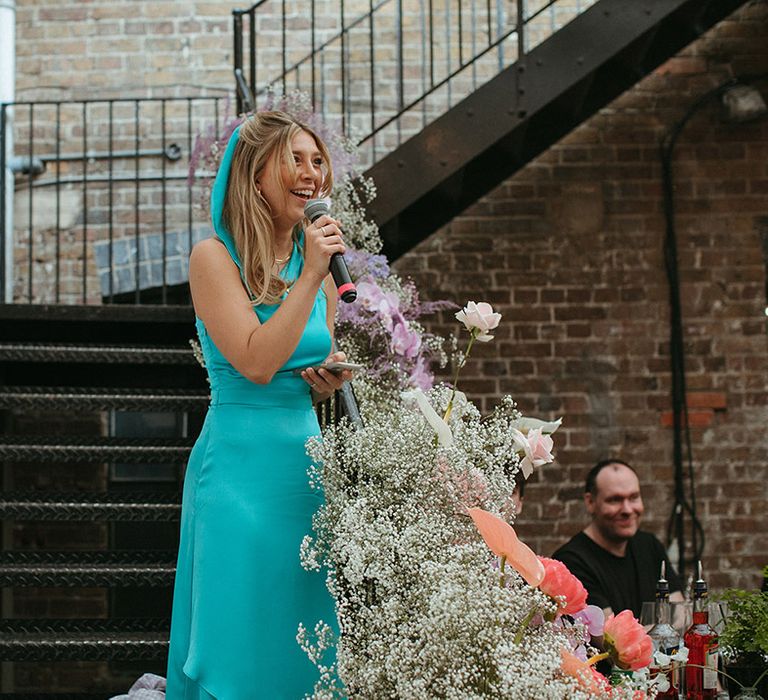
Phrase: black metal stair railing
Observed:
(103, 209)
(386, 72)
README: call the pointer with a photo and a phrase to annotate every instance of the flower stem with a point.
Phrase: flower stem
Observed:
(524, 625)
(456, 374)
(596, 658)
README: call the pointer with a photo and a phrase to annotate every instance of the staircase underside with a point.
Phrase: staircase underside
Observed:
(506, 123)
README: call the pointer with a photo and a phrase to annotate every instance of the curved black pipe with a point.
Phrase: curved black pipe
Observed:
(681, 429)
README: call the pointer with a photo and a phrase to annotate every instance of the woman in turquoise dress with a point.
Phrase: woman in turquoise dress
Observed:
(265, 306)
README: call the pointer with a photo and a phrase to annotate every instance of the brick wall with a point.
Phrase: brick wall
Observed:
(570, 251)
(104, 49)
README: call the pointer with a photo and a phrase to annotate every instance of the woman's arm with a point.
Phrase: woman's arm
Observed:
(254, 349)
(324, 383)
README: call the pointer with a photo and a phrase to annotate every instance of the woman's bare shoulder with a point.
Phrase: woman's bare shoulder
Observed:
(208, 247)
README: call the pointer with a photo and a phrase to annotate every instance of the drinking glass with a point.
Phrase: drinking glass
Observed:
(680, 613)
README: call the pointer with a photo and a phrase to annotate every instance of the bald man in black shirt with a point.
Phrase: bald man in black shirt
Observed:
(617, 562)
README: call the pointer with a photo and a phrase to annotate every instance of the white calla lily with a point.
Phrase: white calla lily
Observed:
(444, 434)
(525, 424)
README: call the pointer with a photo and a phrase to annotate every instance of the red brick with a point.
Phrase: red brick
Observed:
(713, 400)
(696, 418)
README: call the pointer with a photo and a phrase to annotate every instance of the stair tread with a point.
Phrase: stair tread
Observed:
(93, 497)
(22, 398)
(84, 640)
(103, 391)
(95, 440)
(85, 352)
(85, 560)
(78, 627)
(87, 506)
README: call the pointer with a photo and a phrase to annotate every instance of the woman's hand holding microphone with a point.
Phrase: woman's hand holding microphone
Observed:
(322, 239)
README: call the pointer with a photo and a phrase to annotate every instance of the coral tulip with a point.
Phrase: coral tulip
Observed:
(627, 642)
(563, 587)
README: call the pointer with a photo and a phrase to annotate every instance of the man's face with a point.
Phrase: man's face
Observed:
(617, 507)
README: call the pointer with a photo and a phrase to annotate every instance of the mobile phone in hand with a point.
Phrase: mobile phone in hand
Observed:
(335, 367)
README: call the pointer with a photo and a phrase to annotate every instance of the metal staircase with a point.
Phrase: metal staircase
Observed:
(438, 161)
(85, 364)
(507, 122)
(65, 372)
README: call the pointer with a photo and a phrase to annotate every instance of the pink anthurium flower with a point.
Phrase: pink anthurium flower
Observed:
(503, 542)
(595, 683)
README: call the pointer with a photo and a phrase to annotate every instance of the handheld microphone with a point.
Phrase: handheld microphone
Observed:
(313, 210)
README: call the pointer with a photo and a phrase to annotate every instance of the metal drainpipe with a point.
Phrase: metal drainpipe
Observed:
(7, 94)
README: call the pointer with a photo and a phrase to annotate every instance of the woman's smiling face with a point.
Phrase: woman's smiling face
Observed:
(286, 190)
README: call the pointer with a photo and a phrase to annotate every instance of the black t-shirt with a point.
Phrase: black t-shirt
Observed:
(621, 583)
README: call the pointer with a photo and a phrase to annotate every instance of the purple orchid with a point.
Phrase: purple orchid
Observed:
(405, 342)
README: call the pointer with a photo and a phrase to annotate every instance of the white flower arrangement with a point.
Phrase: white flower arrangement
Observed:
(420, 608)
(423, 610)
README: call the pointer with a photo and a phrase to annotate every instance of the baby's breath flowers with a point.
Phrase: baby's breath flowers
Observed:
(420, 608)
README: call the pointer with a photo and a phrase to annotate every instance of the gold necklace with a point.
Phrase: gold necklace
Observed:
(282, 261)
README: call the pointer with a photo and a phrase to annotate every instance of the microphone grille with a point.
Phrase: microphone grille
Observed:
(315, 208)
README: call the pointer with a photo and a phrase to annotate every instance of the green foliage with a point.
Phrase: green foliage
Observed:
(746, 624)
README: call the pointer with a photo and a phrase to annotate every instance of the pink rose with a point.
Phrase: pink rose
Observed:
(627, 642)
(561, 585)
(478, 319)
(537, 448)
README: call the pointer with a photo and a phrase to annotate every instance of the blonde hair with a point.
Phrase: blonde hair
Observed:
(246, 214)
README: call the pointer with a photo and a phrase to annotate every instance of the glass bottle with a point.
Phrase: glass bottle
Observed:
(665, 638)
(702, 643)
